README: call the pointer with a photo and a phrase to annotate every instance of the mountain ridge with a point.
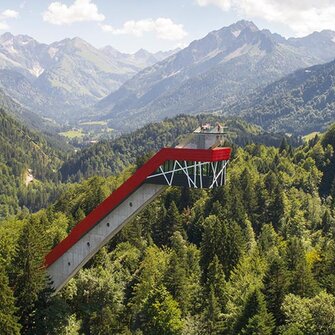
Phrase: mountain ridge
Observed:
(210, 72)
(301, 102)
(70, 73)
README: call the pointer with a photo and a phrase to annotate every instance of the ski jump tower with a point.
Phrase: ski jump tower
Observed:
(199, 162)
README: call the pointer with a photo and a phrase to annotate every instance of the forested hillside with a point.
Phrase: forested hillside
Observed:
(301, 102)
(28, 167)
(36, 169)
(108, 157)
(253, 257)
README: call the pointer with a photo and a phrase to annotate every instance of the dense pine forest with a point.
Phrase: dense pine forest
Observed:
(256, 256)
(27, 155)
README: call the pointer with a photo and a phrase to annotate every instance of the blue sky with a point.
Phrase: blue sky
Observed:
(129, 25)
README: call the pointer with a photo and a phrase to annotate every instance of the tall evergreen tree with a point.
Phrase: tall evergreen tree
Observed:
(327, 223)
(223, 239)
(284, 145)
(183, 274)
(276, 285)
(255, 319)
(276, 210)
(169, 224)
(260, 216)
(8, 320)
(248, 192)
(216, 281)
(29, 276)
(213, 313)
(303, 282)
(268, 239)
(52, 313)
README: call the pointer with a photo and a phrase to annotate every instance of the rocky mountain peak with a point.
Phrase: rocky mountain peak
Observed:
(241, 25)
(5, 37)
(142, 53)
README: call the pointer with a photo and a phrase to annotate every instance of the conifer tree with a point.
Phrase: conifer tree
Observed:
(209, 242)
(224, 239)
(158, 229)
(8, 320)
(255, 319)
(276, 210)
(276, 285)
(30, 277)
(187, 198)
(213, 313)
(284, 145)
(171, 223)
(327, 222)
(302, 279)
(249, 236)
(216, 281)
(268, 239)
(248, 191)
(51, 314)
(260, 216)
(271, 182)
(232, 246)
(235, 205)
(183, 274)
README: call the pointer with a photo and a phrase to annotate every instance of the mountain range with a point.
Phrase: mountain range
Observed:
(238, 70)
(64, 76)
(213, 72)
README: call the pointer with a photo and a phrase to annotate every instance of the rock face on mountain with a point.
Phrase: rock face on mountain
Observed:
(66, 75)
(23, 54)
(213, 72)
(299, 103)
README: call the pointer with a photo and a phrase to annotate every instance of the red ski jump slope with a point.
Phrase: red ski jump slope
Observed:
(128, 187)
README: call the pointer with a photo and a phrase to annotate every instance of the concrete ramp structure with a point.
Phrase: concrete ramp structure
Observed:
(180, 166)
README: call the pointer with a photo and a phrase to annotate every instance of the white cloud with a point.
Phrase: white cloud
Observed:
(224, 4)
(164, 28)
(6, 15)
(81, 10)
(302, 16)
(9, 14)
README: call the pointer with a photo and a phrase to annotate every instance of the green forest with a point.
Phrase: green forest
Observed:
(299, 103)
(256, 256)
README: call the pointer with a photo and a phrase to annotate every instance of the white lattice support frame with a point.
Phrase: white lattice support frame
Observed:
(219, 174)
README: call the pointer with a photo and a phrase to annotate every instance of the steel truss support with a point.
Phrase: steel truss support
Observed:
(196, 174)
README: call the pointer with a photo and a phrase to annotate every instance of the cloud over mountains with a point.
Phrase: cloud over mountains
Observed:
(81, 10)
(162, 27)
(303, 17)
